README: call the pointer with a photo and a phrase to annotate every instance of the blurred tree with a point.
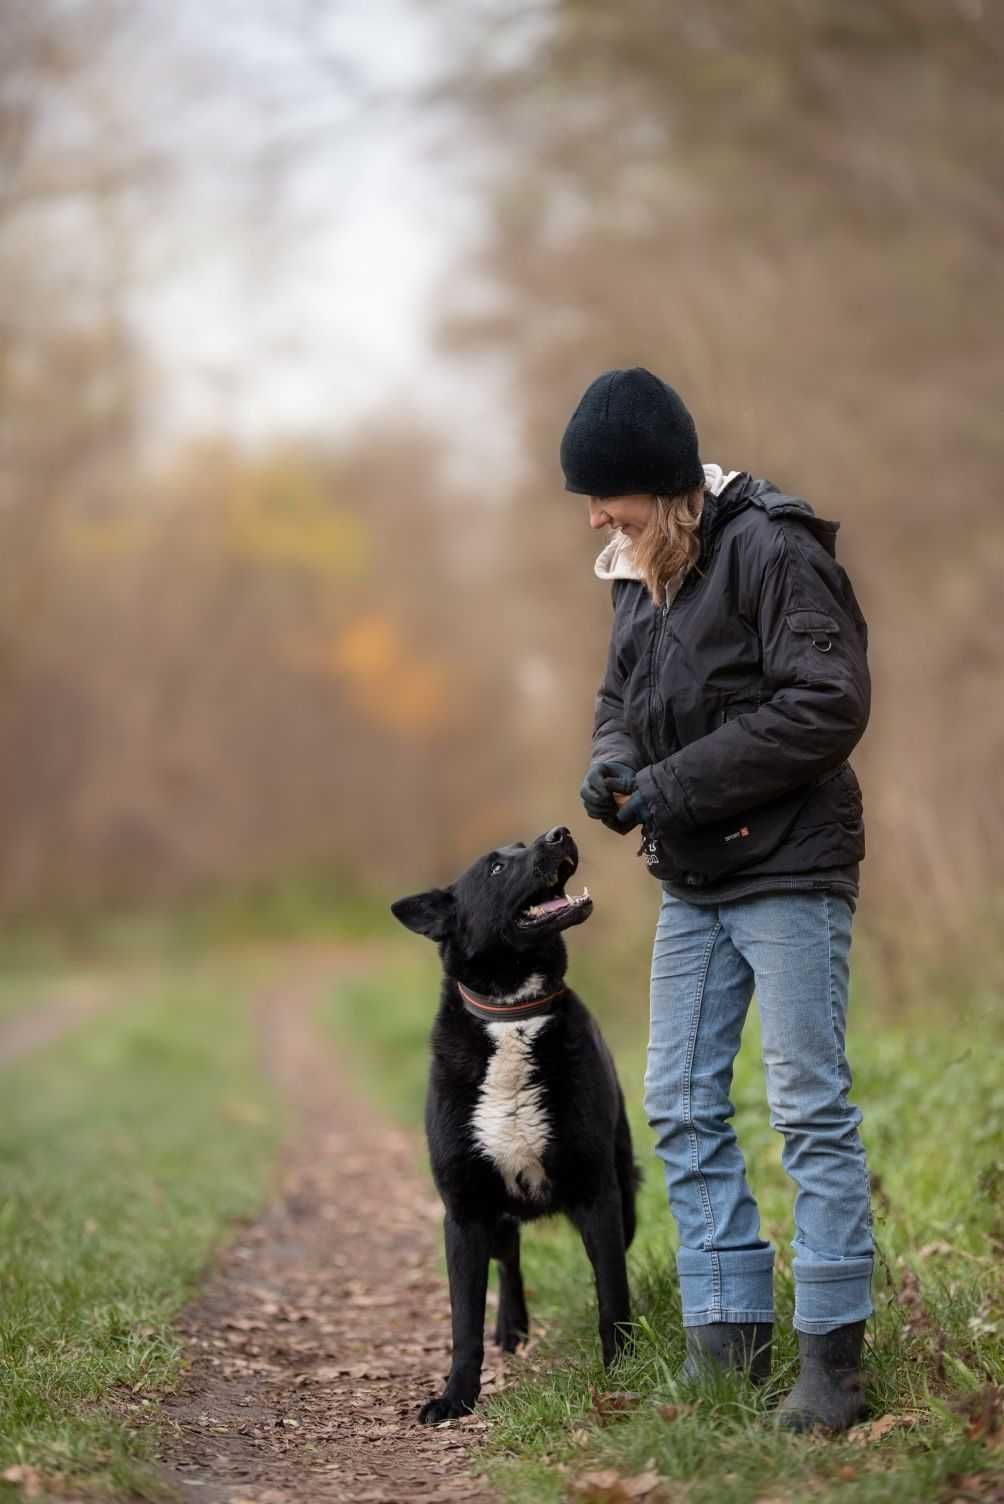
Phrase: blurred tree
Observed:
(71, 380)
(793, 212)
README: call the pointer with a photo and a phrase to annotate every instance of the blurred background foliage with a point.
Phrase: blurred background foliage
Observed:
(370, 649)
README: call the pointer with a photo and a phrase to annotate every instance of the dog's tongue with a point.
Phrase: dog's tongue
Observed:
(550, 905)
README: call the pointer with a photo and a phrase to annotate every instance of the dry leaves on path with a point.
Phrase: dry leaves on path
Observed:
(608, 1486)
(874, 1430)
(327, 1323)
(974, 1488)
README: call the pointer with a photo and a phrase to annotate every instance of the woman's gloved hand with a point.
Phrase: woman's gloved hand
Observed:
(633, 811)
(603, 780)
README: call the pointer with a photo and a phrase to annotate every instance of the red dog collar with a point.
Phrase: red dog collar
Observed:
(493, 1011)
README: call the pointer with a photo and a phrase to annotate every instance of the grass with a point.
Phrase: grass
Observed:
(125, 1151)
(933, 1100)
(310, 907)
(20, 992)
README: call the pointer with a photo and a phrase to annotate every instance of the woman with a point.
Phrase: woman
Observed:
(736, 686)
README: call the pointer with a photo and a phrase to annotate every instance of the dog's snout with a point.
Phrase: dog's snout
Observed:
(557, 834)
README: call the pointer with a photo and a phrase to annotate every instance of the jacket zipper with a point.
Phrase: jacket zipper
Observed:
(646, 836)
(656, 645)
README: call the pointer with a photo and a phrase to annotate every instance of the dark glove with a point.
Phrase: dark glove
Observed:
(599, 785)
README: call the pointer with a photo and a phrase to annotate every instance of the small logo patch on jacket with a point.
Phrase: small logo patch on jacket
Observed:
(649, 850)
(738, 835)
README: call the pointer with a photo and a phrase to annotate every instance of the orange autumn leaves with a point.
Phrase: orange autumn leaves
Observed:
(312, 558)
(284, 519)
(387, 679)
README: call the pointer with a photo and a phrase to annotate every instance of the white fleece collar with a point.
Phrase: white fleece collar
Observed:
(614, 562)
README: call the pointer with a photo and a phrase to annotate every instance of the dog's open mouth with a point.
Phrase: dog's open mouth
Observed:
(551, 905)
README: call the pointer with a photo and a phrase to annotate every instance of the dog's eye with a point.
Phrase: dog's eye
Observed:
(495, 867)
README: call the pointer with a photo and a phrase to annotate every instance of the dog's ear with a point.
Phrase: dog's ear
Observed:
(431, 913)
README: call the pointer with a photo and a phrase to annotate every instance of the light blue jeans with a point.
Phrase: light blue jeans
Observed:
(793, 949)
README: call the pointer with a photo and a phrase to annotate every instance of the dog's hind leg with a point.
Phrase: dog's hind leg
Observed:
(602, 1228)
(513, 1324)
(468, 1248)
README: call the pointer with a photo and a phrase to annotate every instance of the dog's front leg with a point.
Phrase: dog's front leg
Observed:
(602, 1229)
(468, 1246)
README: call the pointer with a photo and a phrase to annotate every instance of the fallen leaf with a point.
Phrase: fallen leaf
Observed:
(28, 1479)
(607, 1486)
(874, 1430)
(673, 1412)
(614, 1402)
(607, 1478)
(984, 1415)
(327, 1372)
(641, 1484)
(975, 1488)
(937, 1249)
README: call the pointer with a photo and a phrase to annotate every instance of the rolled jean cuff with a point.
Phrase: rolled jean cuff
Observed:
(726, 1285)
(832, 1295)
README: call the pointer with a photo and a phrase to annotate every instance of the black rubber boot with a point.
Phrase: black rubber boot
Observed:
(830, 1388)
(729, 1345)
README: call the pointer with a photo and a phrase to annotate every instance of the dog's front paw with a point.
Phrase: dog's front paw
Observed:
(446, 1407)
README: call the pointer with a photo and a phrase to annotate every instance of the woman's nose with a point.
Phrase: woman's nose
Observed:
(598, 516)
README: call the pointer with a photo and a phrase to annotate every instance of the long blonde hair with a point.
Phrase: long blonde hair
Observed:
(669, 546)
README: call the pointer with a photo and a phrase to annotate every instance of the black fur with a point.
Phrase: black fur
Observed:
(588, 1162)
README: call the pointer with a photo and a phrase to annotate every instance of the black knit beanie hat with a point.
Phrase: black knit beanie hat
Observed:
(630, 433)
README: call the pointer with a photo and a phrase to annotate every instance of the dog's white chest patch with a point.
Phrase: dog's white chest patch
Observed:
(510, 1123)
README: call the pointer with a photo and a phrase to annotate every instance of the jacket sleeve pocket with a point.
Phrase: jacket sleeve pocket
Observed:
(816, 625)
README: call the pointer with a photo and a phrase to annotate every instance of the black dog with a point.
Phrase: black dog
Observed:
(524, 1115)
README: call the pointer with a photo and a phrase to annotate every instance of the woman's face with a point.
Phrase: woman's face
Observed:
(630, 514)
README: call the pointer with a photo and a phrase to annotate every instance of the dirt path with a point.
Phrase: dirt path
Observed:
(325, 1324)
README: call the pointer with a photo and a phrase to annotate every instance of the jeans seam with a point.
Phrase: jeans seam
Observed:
(863, 1157)
(695, 1155)
(837, 1052)
(829, 990)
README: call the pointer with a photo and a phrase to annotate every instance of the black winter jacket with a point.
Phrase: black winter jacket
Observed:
(739, 702)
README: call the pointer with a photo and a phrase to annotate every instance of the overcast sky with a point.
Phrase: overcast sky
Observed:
(302, 298)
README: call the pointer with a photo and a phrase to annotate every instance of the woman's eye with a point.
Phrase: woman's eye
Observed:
(495, 867)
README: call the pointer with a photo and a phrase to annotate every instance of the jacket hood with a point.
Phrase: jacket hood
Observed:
(613, 561)
(764, 494)
(727, 494)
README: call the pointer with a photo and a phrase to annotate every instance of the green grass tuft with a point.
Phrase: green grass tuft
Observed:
(307, 908)
(125, 1150)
